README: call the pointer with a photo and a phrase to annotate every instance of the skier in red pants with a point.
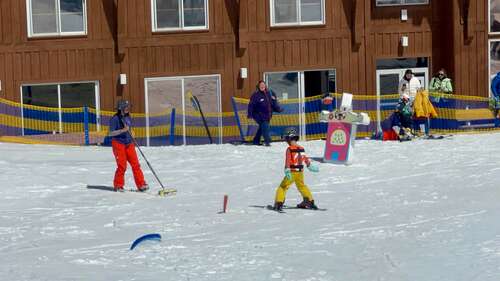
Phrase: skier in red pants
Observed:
(124, 148)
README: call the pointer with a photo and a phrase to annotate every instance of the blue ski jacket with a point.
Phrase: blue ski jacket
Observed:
(116, 123)
(262, 105)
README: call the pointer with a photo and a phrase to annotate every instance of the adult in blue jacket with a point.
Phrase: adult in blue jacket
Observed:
(495, 86)
(262, 104)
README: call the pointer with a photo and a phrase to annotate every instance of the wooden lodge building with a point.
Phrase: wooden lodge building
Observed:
(69, 53)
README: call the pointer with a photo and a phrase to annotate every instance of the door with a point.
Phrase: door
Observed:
(292, 89)
(288, 87)
(168, 97)
(387, 84)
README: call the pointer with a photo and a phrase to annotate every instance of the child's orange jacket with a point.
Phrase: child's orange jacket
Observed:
(295, 158)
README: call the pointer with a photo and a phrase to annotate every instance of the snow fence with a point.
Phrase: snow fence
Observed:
(84, 126)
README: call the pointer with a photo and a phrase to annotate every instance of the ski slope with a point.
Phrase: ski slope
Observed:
(422, 210)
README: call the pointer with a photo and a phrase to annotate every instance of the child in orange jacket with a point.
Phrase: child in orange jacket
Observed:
(294, 166)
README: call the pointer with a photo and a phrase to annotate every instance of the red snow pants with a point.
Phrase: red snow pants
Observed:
(124, 153)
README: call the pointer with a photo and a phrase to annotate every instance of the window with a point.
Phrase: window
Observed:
(401, 2)
(494, 16)
(56, 17)
(68, 95)
(180, 15)
(59, 96)
(297, 12)
(494, 60)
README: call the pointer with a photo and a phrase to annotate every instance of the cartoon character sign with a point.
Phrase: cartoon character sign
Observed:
(342, 125)
(339, 139)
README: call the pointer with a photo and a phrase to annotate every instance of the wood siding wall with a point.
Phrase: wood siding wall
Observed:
(471, 54)
(355, 35)
(47, 60)
(161, 54)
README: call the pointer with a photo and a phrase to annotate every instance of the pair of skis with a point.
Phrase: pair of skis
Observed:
(271, 208)
(162, 192)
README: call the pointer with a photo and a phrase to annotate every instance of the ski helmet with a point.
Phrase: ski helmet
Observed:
(122, 104)
(291, 134)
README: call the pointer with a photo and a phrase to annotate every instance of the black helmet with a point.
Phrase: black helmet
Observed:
(291, 134)
(122, 104)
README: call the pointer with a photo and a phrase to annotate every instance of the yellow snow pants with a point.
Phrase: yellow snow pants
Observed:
(298, 179)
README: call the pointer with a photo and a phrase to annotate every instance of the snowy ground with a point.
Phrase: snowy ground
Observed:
(422, 210)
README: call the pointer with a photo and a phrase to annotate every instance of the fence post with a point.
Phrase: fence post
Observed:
(237, 117)
(86, 124)
(172, 127)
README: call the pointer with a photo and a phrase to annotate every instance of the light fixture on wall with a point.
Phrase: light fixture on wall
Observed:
(244, 73)
(404, 14)
(404, 41)
(123, 79)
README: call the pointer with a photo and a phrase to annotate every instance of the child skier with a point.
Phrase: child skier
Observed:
(294, 166)
(404, 116)
(124, 148)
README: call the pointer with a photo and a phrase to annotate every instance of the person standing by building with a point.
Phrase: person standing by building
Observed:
(409, 85)
(124, 148)
(262, 104)
(440, 83)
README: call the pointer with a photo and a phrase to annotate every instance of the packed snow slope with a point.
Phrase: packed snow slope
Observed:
(421, 210)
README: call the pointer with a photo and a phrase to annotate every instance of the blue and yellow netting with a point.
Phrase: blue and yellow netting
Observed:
(34, 124)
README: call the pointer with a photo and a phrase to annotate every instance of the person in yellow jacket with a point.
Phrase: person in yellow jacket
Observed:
(423, 110)
(295, 158)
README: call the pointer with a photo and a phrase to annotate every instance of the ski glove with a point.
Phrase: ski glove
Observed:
(288, 173)
(313, 168)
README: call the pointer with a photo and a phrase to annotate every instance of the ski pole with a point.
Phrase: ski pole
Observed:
(146, 159)
(197, 106)
(162, 191)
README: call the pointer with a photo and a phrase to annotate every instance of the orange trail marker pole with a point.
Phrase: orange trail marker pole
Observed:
(224, 208)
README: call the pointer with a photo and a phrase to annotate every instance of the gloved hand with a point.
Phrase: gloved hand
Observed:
(313, 168)
(288, 173)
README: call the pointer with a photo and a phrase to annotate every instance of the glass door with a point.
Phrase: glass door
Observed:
(163, 98)
(288, 87)
(292, 89)
(197, 122)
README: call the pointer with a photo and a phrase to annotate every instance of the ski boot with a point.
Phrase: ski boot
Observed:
(278, 206)
(119, 189)
(307, 204)
(143, 188)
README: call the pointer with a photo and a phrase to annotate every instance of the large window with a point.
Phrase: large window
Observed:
(179, 14)
(56, 17)
(297, 12)
(59, 96)
(401, 2)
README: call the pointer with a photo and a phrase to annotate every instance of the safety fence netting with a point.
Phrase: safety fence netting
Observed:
(80, 126)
